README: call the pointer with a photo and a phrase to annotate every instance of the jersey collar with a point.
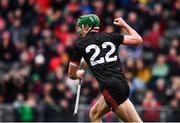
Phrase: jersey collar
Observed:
(94, 30)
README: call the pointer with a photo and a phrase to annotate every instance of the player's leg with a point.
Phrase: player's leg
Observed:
(98, 110)
(127, 112)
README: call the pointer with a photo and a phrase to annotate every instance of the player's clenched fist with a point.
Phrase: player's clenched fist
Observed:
(119, 22)
(80, 73)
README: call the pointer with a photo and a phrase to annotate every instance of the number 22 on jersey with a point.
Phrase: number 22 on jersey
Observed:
(106, 58)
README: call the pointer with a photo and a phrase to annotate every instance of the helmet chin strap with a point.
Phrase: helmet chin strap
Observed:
(89, 29)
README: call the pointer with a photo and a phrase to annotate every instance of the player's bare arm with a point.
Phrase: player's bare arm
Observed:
(133, 38)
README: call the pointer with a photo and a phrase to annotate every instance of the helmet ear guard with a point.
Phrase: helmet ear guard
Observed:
(90, 28)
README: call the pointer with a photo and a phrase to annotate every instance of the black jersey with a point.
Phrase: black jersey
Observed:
(100, 51)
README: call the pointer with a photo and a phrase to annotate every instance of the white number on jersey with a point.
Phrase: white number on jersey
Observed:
(107, 57)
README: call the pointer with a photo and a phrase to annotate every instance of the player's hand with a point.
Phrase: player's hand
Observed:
(119, 22)
(80, 73)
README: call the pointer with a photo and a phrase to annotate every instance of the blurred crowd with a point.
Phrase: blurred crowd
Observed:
(36, 41)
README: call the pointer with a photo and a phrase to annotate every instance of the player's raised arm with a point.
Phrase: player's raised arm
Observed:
(133, 38)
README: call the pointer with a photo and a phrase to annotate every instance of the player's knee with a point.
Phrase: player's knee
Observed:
(94, 113)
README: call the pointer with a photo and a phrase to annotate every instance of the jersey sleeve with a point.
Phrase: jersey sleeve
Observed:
(76, 55)
(117, 37)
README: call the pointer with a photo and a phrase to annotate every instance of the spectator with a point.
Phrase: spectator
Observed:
(160, 90)
(151, 107)
(160, 68)
(153, 41)
(133, 21)
(26, 112)
(7, 49)
(51, 110)
(144, 72)
(175, 105)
